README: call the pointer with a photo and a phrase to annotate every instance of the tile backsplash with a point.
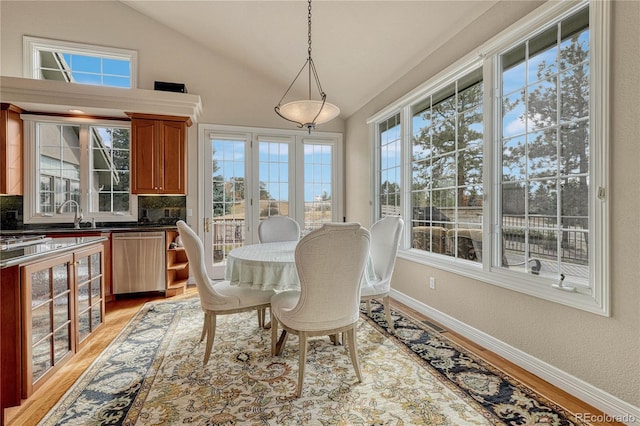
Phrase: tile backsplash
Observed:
(152, 210)
(11, 212)
(155, 210)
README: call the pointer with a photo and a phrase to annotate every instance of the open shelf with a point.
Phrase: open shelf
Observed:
(177, 266)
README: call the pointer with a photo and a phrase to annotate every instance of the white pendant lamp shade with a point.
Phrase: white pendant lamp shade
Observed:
(309, 112)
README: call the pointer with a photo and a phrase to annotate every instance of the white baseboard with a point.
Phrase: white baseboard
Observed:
(614, 407)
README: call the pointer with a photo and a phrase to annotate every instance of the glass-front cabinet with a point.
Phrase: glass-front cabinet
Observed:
(48, 313)
(90, 292)
(62, 304)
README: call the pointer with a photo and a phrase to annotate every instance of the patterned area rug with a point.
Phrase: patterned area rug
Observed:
(152, 374)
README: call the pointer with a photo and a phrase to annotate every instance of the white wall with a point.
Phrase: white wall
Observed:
(604, 352)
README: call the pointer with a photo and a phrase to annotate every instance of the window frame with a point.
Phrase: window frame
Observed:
(33, 45)
(594, 298)
(32, 172)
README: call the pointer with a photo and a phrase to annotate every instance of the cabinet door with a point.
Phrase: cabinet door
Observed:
(173, 147)
(48, 337)
(89, 275)
(10, 151)
(144, 156)
(10, 338)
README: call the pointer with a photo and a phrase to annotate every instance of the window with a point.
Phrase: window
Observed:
(503, 174)
(446, 185)
(79, 63)
(389, 171)
(319, 161)
(544, 148)
(273, 167)
(87, 162)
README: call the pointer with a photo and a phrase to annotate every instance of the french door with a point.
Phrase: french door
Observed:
(251, 174)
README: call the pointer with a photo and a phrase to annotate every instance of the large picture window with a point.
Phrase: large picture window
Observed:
(446, 175)
(544, 149)
(503, 175)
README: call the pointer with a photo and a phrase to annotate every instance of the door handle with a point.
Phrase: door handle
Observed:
(207, 222)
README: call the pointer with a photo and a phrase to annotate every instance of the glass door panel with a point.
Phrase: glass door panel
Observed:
(318, 185)
(228, 202)
(273, 171)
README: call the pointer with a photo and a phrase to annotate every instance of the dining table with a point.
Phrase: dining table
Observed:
(272, 266)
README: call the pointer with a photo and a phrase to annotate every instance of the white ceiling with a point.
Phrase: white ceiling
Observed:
(359, 47)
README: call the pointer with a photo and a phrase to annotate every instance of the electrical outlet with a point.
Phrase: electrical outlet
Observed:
(432, 283)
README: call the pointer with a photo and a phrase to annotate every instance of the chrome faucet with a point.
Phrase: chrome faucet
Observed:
(77, 218)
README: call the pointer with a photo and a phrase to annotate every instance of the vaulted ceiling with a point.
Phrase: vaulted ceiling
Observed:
(359, 47)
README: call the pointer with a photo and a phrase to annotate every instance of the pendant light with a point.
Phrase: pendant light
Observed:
(308, 112)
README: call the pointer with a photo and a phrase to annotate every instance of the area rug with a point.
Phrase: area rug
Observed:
(152, 374)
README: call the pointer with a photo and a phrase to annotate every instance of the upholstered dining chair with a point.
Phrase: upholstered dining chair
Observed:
(278, 228)
(385, 239)
(330, 262)
(218, 298)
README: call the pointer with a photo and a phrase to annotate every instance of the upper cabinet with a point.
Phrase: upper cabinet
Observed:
(158, 154)
(11, 150)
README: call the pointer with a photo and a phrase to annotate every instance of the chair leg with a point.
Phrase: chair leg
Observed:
(369, 307)
(260, 312)
(274, 333)
(204, 326)
(282, 341)
(352, 342)
(387, 310)
(335, 339)
(277, 344)
(211, 334)
(302, 361)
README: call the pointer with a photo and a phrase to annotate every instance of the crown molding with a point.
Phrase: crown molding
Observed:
(59, 97)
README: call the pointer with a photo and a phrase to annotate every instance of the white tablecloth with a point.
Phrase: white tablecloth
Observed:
(271, 266)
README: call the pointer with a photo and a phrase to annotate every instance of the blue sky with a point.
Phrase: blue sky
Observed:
(99, 71)
(274, 168)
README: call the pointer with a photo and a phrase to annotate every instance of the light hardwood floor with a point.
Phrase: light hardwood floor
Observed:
(120, 312)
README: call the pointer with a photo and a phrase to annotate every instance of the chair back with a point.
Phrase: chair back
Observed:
(278, 228)
(385, 239)
(330, 262)
(209, 298)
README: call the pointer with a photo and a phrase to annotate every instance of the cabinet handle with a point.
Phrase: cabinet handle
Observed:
(206, 224)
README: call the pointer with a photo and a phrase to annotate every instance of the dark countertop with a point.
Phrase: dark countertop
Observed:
(51, 247)
(98, 230)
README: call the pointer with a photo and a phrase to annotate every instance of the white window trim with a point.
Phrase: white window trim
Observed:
(32, 45)
(595, 299)
(32, 175)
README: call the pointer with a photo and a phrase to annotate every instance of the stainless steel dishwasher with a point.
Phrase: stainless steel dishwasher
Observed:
(138, 260)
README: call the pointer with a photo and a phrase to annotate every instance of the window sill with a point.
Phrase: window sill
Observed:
(540, 287)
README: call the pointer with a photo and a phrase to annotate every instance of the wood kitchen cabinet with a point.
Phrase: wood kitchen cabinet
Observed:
(90, 292)
(9, 338)
(11, 142)
(48, 325)
(158, 154)
(62, 304)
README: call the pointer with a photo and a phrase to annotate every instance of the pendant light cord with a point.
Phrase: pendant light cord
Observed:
(310, 61)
